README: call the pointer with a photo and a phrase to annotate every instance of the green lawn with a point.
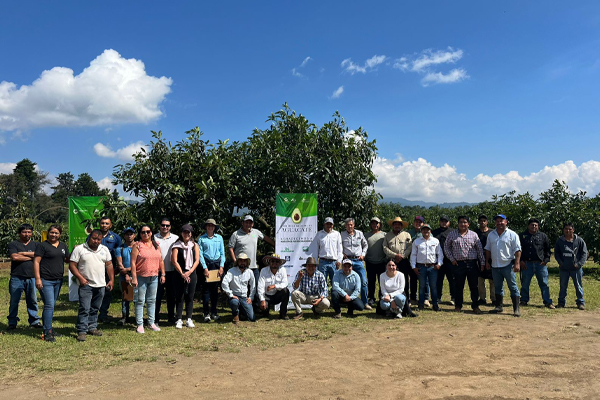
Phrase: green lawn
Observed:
(23, 354)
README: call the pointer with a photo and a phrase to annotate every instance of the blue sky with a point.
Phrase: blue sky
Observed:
(465, 99)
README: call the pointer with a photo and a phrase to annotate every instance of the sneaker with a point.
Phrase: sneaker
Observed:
(399, 315)
(368, 307)
(215, 317)
(451, 302)
(427, 303)
(95, 332)
(550, 306)
(580, 307)
(155, 327)
(207, 318)
(140, 329)
(338, 315)
(189, 323)
(37, 325)
(298, 316)
(48, 337)
(178, 324)
(81, 337)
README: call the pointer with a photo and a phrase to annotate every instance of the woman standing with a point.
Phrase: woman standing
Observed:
(49, 270)
(146, 261)
(185, 258)
(392, 290)
(212, 256)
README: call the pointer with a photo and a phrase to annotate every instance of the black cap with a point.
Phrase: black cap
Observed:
(482, 216)
(534, 220)
(444, 218)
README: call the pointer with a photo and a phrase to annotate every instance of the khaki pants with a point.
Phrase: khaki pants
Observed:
(299, 298)
(481, 287)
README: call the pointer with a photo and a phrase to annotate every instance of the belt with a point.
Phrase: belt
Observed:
(466, 261)
(351, 257)
(326, 259)
(427, 265)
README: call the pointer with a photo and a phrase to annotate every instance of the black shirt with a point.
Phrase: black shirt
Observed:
(441, 234)
(52, 264)
(535, 247)
(23, 269)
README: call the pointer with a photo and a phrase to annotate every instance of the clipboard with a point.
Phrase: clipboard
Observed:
(213, 276)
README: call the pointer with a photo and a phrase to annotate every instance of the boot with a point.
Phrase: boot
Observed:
(498, 308)
(516, 306)
(407, 312)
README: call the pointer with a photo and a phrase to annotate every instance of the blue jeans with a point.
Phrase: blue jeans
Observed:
(106, 300)
(399, 300)
(241, 303)
(16, 286)
(90, 300)
(577, 276)
(359, 267)
(49, 295)
(427, 274)
(502, 273)
(327, 268)
(147, 286)
(354, 304)
(541, 273)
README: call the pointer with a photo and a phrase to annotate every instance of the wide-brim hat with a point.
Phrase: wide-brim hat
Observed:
(398, 219)
(242, 256)
(210, 221)
(267, 259)
(311, 261)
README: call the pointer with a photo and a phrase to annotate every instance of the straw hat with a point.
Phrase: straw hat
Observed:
(398, 219)
(267, 259)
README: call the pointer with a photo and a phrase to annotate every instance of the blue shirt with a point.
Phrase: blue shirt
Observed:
(212, 249)
(125, 253)
(346, 284)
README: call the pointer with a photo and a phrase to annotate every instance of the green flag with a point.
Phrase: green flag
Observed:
(83, 213)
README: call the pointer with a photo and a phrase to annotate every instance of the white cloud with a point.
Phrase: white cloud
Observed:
(106, 183)
(429, 58)
(421, 180)
(456, 75)
(369, 65)
(126, 153)
(337, 92)
(306, 60)
(7, 168)
(112, 90)
(295, 71)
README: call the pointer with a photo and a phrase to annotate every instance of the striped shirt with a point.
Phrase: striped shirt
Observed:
(315, 285)
(463, 247)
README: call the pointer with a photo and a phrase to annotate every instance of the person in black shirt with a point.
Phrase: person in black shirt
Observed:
(484, 274)
(441, 234)
(49, 269)
(21, 253)
(535, 255)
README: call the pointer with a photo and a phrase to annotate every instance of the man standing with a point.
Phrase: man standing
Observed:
(534, 258)
(272, 286)
(240, 287)
(375, 258)
(346, 289)
(165, 240)
(571, 254)
(111, 241)
(355, 248)
(245, 240)
(310, 287)
(89, 263)
(484, 273)
(123, 255)
(329, 249)
(504, 248)
(426, 257)
(465, 252)
(415, 232)
(21, 253)
(397, 247)
(441, 234)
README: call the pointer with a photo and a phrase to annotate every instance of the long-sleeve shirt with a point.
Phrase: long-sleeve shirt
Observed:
(315, 285)
(391, 286)
(346, 284)
(397, 244)
(459, 247)
(502, 247)
(375, 252)
(330, 245)
(535, 247)
(354, 245)
(426, 252)
(267, 278)
(236, 283)
(211, 248)
(570, 255)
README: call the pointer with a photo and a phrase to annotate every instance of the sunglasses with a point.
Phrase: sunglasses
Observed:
(146, 232)
(165, 225)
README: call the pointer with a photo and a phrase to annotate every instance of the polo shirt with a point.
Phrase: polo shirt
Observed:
(502, 247)
(242, 242)
(92, 264)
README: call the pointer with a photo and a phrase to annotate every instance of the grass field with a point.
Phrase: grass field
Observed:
(24, 354)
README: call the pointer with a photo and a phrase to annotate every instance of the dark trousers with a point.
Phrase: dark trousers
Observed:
(169, 288)
(411, 280)
(281, 296)
(466, 270)
(184, 294)
(445, 270)
(106, 300)
(210, 290)
(336, 301)
(374, 270)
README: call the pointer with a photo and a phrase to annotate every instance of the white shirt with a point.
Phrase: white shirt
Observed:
(165, 248)
(266, 279)
(237, 283)
(502, 247)
(392, 286)
(92, 264)
(426, 252)
(330, 245)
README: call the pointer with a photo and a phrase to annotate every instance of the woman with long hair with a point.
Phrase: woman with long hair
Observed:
(185, 258)
(392, 290)
(146, 262)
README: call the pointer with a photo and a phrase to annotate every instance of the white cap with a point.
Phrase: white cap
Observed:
(328, 220)
(248, 218)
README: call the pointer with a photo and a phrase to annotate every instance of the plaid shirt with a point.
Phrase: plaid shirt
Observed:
(463, 247)
(315, 285)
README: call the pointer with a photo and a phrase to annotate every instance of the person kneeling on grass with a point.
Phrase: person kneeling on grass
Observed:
(273, 286)
(392, 291)
(346, 289)
(310, 288)
(235, 285)
(89, 263)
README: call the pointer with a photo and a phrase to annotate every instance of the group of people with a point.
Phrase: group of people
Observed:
(347, 264)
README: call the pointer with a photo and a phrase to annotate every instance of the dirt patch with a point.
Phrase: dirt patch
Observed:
(487, 357)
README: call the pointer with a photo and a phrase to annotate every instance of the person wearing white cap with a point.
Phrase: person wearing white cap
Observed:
(330, 251)
(346, 289)
(239, 285)
(355, 248)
